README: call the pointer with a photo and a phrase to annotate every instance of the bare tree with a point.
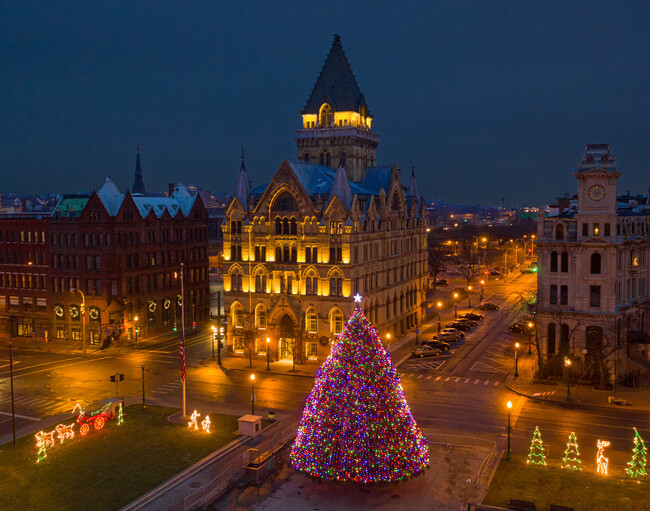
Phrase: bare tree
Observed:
(468, 260)
(437, 256)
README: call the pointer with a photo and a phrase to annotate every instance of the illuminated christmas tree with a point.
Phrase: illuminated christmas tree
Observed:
(571, 455)
(536, 454)
(356, 424)
(636, 466)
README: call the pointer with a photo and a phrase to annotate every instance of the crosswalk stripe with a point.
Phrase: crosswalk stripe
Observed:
(456, 380)
(476, 381)
(447, 379)
(486, 382)
(466, 380)
(420, 376)
(438, 378)
(496, 383)
(159, 392)
(428, 377)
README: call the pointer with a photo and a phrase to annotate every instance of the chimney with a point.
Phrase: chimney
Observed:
(170, 189)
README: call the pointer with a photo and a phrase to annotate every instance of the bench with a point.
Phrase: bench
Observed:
(521, 505)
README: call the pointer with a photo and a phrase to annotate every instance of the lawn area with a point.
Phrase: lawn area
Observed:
(106, 469)
(548, 485)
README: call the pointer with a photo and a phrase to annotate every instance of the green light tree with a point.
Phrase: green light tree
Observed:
(636, 466)
(572, 455)
(536, 454)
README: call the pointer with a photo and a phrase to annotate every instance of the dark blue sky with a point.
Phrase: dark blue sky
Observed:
(489, 99)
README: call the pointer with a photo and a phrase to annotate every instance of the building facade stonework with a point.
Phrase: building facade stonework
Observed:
(323, 230)
(594, 275)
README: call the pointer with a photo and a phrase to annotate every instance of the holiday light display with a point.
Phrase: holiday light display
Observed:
(63, 432)
(356, 424)
(572, 455)
(205, 424)
(636, 466)
(97, 418)
(536, 454)
(600, 457)
(194, 420)
(120, 415)
(43, 441)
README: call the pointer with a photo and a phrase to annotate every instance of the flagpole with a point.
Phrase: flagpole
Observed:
(183, 340)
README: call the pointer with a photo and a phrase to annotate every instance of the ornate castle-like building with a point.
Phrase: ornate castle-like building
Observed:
(325, 228)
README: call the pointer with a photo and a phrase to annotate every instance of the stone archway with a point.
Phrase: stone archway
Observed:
(287, 337)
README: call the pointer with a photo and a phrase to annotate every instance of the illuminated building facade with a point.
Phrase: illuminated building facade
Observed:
(323, 229)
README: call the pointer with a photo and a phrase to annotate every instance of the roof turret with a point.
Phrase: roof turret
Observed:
(138, 181)
(243, 186)
(341, 188)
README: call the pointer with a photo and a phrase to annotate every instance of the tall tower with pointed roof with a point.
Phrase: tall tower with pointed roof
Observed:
(336, 124)
(138, 181)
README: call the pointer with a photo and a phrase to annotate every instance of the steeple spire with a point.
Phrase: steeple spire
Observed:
(341, 188)
(243, 186)
(138, 181)
(413, 186)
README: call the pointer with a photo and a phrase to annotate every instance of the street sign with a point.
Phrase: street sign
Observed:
(417, 330)
(117, 377)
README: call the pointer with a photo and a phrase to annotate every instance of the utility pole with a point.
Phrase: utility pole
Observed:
(144, 405)
(13, 409)
(183, 339)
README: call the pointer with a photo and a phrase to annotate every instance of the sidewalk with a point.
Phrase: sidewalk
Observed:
(581, 395)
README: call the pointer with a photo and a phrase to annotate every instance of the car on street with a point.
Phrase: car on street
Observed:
(425, 351)
(488, 306)
(520, 328)
(454, 331)
(467, 321)
(458, 325)
(448, 337)
(442, 282)
(440, 345)
(472, 315)
(495, 273)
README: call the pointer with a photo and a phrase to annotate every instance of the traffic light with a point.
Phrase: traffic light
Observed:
(193, 325)
(534, 269)
(175, 329)
(137, 330)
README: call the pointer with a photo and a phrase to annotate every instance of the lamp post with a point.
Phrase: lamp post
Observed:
(455, 305)
(469, 296)
(13, 409)
(509, 406)
(219, 345)
(530, 336)
(516, 359)
(144, 405)
(439, 304)
(387, 339)
(83, 324)
(252, 394)
(214, 334)
(136, 332)
(268, 354)
(567, 367)
(482, 283)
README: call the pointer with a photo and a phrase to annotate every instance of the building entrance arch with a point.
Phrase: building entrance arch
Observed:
(287, 337)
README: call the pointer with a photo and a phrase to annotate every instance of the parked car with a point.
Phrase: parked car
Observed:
(458, 325)
(472, 315)
(442, 282)
(448, 337)
(426, 351)
(440, 345)
(520, 328)
(467, 321)
(488, 306)
(454, 331)
(495, 273)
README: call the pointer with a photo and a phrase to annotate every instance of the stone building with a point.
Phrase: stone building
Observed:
(594, 274)
(324, 228)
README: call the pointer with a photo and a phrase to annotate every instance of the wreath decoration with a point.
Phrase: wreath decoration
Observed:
(167, 303)
(58, 310)
(152, 306)
(74, 311)
(93, 314)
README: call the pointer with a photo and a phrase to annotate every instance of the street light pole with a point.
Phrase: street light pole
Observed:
(455, 305)
(530, 336)
(214, 334)
(516, 359)
(13, 409)
(439, 306)
(252, 394)
(567, 366)
(83, 309)
(136, 331)
(509, 405)
(268, 354)
(469, 296)
(144, 405)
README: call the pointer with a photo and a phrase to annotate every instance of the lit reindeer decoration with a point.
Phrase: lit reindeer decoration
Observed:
(63, 432)
(600, 457)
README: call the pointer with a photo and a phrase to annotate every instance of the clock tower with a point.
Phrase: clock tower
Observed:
(597, 176)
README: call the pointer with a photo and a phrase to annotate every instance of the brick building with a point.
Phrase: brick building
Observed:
(298, 248)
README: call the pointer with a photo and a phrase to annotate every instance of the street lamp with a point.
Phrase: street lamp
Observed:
(482, 283)
(143, 402)
(530, 336)
(214, 334)
(516, 359)
(268, 354)
(252, 394)
(136, 331)
(509, 406)
(83, 308)
(469, 296)
(455, 305)
(439, 304)
(567, 367)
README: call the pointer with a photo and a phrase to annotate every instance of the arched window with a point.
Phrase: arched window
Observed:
(237, 315)
(564, 264)
(559, 232)
(554, 261)
(336, 321)
(294, 254)
(305, 158)
(311, 321)
(285, 254)
(260, 316)
(550, 339)
(595, 262)
(278, 226)
(564, 339)
(343, 159)
(326, 116)
(321, 159)
(285, 226)
(594, 340)
(294, 226)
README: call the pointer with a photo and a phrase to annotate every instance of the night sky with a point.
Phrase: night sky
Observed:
(488, 99)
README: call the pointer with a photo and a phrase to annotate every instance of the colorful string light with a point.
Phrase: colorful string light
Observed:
(536, 454)
(572, 455)
(356, 424)
(120, 415)
(63, 432)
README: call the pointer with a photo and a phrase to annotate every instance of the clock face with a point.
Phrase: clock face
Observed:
(596, 193)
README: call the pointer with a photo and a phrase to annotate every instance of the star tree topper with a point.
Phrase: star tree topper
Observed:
(357, 298)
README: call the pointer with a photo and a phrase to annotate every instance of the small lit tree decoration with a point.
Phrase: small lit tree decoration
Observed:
(636, 466)
(43, 441)
(536, 454)
(600, 457)
(120, 415)
(356, 424)
(63, 432)
(205, 424)
(572, 455)
(194, 418)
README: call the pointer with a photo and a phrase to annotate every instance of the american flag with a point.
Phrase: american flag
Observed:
(182, 357)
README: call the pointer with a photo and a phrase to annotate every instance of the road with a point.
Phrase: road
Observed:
(461, 394)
